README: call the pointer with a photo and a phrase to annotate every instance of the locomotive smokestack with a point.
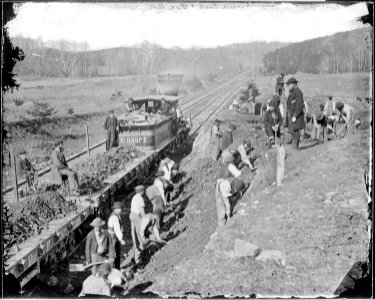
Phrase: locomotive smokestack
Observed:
(169, 84)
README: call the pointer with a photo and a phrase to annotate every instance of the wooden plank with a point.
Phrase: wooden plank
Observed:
(15, 183)
(87, 141)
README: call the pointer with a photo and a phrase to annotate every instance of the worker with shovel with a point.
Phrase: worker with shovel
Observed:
(137, 212)
(272, 122)
(222, 195)
(246, 152)
(99, 246)
(344, 112)
(150, 223)
(115, 230)
(156, 194)
(320, 124)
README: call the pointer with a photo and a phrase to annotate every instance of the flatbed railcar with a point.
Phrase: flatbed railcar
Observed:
(44, 251)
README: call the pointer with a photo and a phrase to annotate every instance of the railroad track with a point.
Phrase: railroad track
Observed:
(190, 105)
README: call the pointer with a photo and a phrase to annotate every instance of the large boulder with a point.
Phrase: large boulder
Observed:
(244, 248)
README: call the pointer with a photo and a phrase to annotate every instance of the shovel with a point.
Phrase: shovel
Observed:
(81, 267)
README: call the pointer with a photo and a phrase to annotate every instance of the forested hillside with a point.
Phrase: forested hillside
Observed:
(343, 52)
(64, 59)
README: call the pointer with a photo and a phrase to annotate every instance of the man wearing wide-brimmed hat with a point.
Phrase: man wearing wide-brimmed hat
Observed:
(320, 124)
(115, 229)
(295, 115)
(137, 212)
(99, 246)
(97, 284)
(60, 167)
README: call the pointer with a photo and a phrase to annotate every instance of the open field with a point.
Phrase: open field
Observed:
(90, 100)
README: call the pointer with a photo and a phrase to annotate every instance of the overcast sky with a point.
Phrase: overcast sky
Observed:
(179, 25)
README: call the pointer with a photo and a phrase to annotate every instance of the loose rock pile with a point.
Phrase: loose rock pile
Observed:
(94, 171)
(23, 219)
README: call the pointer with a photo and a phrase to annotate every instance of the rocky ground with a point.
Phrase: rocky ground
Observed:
(310, 231)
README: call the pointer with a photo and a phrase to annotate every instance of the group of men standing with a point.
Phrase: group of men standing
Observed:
(325, 119)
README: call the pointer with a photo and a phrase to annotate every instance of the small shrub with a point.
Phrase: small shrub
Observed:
(194, 84)
(41, 110)
(211, 77)
(70, 111)
(18, 101)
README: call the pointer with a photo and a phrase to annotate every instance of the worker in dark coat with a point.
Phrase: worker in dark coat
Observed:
(99, 246)
(60, 167)
(25, 168)
(295, 105)
(111, 127)
(273, 121)
(164, 107)
(320, 121)
(280, 84)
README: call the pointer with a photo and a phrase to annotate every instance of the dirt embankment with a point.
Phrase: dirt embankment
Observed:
(310, 231)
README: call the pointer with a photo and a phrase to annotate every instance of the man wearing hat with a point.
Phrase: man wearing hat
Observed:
(165, 107)
(227, 138)
(280, 84)
(99, 246)
(137, 212)
(272, 122)
(245, 151)
(216, 135)
(115, 230)
(222, 194)
(111, 127)
(97, 284)
(25, 168)
(344, 112)
(295, 105)
(320, 124)
(60, 167)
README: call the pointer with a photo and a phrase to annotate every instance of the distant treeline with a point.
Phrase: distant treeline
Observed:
(64, 59)
(343, 52)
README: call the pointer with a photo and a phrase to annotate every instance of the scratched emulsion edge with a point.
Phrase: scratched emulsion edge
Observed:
(368, 19)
